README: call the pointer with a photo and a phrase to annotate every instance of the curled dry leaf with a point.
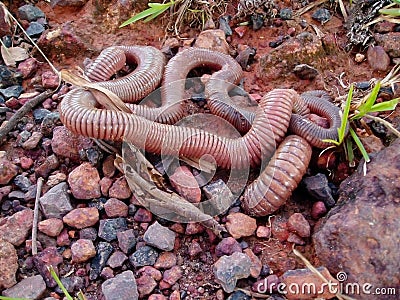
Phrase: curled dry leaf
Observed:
(13, 55)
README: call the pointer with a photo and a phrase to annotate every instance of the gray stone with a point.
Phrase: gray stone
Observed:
(228, 269)
(104, 251)
(56, 202)
(121, 287)
(109, 228)
(160, 237)
(35, 29)
(30, 13)
(12, 91)
(144, 256)
(29, 288)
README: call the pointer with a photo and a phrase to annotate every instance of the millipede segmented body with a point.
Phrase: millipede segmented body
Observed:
(151, 129)
(277, 181)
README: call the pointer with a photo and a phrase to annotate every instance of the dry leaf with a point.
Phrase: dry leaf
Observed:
(13, 55)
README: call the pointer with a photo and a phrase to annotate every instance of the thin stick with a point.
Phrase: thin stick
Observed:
(36, 215)
(28, 106)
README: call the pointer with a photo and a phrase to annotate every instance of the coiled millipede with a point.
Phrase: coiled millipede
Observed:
(152, 129)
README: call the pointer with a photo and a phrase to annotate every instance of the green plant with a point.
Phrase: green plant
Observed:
(190, 12)
(363, 109)
(80, 295)
(11, 298)
(154, 10)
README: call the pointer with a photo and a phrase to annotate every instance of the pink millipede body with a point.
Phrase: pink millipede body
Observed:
(151, 129)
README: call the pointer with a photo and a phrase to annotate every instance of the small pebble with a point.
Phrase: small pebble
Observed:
(227, 246)
(104, 251)
(240, 225)
(299, 225)
(115, 208)
(321, 15)
(144, 256)
(166, 260)
(109, 228)
(82, 217)
(377, 58)
(286, 13)
(160, 237)
(82, 250)
(51, 227)
(126, 241)
(35, 29)
(117, 259)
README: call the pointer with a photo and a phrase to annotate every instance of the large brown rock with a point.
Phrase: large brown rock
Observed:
(361, 235)
(8, 264)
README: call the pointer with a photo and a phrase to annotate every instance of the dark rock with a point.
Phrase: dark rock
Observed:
(12, 91)
(48, 257)
(109, 228)
(22, 182)
(244, 57)
(104, 251)
(121, 287)
(378, 59)
(363, 85)
(257, 21)
(35, 29)
(144, 256)
(56, 202)
(286, 13)
(239, 295)
(365, 224)
(30, 13)
(317, 186)
(224, 25)
(49, 122)
(321, 15)
(9, 77)
(228, 269)
(304, 71)
(29, 288)
(39, 114)
(15, 228)
(8, 264)
(126, 240)
(160, 237)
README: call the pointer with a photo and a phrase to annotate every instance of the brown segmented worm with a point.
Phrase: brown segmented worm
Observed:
(276, 183)
(79, 113)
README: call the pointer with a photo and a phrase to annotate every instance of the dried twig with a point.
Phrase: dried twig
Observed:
(36, 215)
(28, 106)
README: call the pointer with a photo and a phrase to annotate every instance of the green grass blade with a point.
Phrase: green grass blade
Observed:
(140, 16)
(366, 106)
(331, 141)
(346, 111)
(394, 12)
(161, 5)
(384, 106)
(360, 145)
(155, 15)
(350, 152)
(59, 283)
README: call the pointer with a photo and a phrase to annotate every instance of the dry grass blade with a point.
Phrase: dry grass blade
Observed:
(315, 271)
(105, 97)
